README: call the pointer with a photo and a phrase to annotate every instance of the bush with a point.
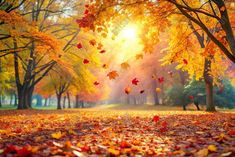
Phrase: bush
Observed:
(180, 95)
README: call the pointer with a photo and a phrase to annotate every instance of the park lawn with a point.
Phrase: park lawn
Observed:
(114, 132)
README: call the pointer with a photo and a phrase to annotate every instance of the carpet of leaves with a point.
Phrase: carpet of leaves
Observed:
(116, 133)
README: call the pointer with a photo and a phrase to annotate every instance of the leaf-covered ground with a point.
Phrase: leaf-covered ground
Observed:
(93, 132)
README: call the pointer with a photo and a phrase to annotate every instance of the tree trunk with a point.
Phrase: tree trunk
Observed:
(15, 99)
(25, 98)
(82, 104)
(59, 101)
(77, 101)
(209, 86)
(69, 103)
(11, 99)
(45, 102)
(64, 101)
(39, 100)
(0, 100)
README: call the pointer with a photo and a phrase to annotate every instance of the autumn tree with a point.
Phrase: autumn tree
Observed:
(47, 23)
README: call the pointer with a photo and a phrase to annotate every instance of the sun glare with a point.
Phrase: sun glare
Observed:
(129, 32)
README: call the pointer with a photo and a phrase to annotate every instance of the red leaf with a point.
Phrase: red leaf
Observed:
(142, 91)
(231, 132)
(86, 61)
(124, 144)
(102, 51)
(10, 149)
(92, 42)
(23, 152)
(18, 130)
(87, 5)
(135, 81)
(185, 61)
(96, 83)
(163, 129)
(164, 124)
(156, 118)
(191, 97)
(79, 45)
(86, 11)
(161, 79)
(85, 148)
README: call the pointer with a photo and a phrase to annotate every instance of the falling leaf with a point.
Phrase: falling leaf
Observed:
(112, 74)
(86, 61)
(185, 61)
(92, 42)
(105, 66)
(104, 35)
(57, 135)
(135, 81)
(102, 51)
(142, 91)
(139, 56)
(96, 83)
(154, 77)
(125, 65)
(212, 148)
(127, 90)
(191, 97)
(158, 90)
(99, 46)
(79, 45)
(161, 79)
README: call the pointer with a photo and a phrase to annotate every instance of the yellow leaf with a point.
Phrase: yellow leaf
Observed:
(212, 148)
(158, 90)
(125, 65)
(202, 153)
(113, 151)
(139, 56)
(57, 135)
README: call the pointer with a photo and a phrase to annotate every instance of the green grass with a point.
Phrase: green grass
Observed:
(10, 107)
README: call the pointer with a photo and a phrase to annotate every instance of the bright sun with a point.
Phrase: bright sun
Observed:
(129, 32)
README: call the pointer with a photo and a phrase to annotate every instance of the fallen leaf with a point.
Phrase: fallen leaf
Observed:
(231, 132)
(212, 148)
(57, 135)
(156, 118)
